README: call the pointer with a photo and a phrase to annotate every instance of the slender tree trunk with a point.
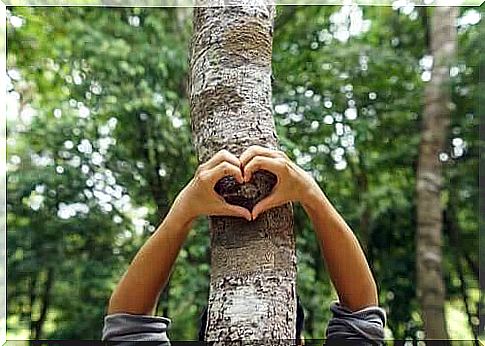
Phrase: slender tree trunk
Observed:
(32, 302)
(454, 234)
(253, 264)
(38, 326)
(481, 203)
(473, 266)
(436, 119)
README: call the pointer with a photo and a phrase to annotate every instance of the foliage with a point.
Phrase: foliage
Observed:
(99, 145)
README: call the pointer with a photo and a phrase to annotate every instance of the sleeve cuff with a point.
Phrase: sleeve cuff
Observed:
(130, 327)
(366, 324)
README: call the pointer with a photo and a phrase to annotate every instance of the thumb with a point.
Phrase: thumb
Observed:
(234, 210)
(263, 205)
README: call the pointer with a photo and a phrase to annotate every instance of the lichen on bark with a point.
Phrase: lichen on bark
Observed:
(252, 292)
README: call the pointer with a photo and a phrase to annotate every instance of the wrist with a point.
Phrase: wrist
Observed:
(313, 197)
(176, 222)
(182, 211)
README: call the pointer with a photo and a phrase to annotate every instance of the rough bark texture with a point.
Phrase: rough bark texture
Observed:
(253, 264)
(436, 119)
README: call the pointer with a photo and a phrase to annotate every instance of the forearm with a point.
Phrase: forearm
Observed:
(342, 253)
(140, 286)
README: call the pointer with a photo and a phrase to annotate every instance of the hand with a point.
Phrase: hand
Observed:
(294, 184)
(200, 198)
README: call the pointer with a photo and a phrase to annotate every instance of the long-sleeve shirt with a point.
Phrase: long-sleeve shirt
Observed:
(364, 327)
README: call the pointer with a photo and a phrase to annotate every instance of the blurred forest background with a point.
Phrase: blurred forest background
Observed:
(99, 145)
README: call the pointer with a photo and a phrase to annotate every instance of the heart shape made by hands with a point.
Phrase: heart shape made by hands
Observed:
(246, 195)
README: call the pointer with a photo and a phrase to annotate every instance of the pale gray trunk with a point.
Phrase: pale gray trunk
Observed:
(436, 120)
(253, 264)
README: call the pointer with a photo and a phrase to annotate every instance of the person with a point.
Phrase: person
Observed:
(355, 316)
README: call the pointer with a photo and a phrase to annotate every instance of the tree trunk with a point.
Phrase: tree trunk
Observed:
(436, 119)
(454, 234)
(253, 264)
(32, 302)
(481, 206)
(37, 326)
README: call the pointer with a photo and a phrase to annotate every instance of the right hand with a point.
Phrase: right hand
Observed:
(293, 185)
(199, 197)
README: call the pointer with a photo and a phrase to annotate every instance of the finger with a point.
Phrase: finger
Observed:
(267, 203)
(221, 156)
(257, 150)
(274, 165)
(234, 210)
(224, 169)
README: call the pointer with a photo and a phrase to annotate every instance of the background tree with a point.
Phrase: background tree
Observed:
(429, 180)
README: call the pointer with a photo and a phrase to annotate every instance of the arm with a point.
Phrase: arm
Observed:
(139, 288)
(345, 259)
(341, 250)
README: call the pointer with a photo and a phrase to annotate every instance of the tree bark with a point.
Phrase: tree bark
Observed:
(253, 264)
(436, 120)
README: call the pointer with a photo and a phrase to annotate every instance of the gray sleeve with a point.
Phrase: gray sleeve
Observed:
(365, 326)
(128, 327)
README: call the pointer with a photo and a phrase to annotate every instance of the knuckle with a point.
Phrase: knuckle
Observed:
(219, 154)
(203, 177)
(281, 162)
(226, 168)
(282, 155)
(257, 161)
(197, 174)
(287, 166)
(283, 165)
(253, 149)
(228, 156)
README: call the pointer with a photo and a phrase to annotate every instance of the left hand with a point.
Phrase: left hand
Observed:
(199, 197)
